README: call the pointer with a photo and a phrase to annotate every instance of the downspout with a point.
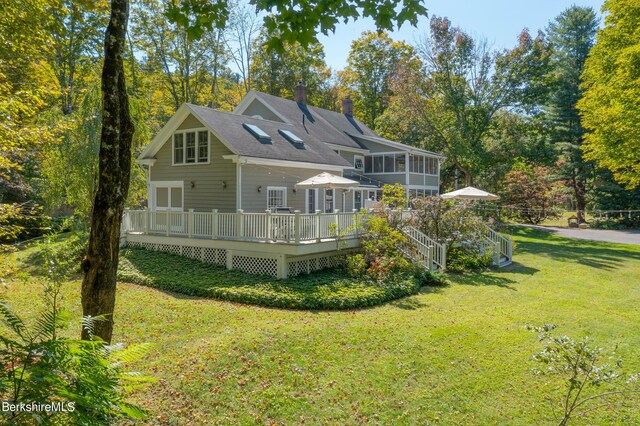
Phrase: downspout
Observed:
(406, 176)
(239, 184)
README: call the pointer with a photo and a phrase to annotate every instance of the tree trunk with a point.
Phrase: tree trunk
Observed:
(114, 167)
(579, 191)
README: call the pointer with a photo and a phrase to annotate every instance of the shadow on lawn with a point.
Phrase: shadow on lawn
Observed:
(482, 279)
(585, 252)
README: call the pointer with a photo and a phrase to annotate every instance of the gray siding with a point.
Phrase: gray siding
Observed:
(423, 180)
(390, 178)
(208, 192)
(254, 176)
(378, 147)
(257, 108)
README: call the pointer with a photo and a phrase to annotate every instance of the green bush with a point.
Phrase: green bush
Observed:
(324, 290)
(618, 223)
(462, 259)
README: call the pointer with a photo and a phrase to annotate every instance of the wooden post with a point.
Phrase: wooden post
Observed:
(214, 224)
(147, 223)
(167, 221)
(318, 225)
(267, 227)
(430, 258)
(296, 226)
(239, 224)
(190, 223)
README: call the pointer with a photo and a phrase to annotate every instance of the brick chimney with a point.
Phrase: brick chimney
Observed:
(301, 93)
(347, 106)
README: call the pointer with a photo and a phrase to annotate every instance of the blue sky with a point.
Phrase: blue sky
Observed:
(499, 21)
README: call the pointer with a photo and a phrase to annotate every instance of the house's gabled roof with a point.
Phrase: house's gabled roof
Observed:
(233, 132)
(310, 119)
(331, 127)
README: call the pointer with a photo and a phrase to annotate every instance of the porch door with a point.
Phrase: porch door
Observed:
(311, 200)
(329, 200)
(167, 197)
(358, 199)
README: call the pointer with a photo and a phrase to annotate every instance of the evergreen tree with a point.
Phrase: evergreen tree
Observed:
(571, 36)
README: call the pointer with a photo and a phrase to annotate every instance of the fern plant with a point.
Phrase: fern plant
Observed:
(48, 379)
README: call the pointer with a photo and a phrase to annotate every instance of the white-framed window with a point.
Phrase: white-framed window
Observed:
(385, 163)
(423, 165)
(276, 196)
(311, 200)
(358, 162)
(167, 195)
(191, 147)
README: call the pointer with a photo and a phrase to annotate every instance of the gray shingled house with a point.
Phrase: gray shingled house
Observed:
(252, 158)
(221, 186)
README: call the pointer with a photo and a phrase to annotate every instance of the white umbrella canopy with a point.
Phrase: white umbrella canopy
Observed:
(470, 193)
(327, 180)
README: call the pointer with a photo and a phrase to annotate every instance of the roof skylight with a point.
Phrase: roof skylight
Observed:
(257, 132)
(290, 136)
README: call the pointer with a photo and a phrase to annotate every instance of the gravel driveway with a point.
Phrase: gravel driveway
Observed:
(622, 237)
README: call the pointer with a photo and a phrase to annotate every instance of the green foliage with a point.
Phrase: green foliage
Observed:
(611, 103)
(586, 381)
(467, 258)
(394, 196)
(371, 67)
(325, 290)
(278, 73)
(85, 378)
(21, 222)
(571, 36)
(450, 103)
(531, 196)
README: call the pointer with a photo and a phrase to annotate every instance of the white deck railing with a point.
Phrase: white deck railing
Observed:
(426, 247)
(503, 247)
(289, 228)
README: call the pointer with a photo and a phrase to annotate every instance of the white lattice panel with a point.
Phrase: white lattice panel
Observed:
(304, 266)
(215, 256)
(256, 265)
(148, 246)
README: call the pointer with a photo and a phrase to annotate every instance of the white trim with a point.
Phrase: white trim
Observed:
(347, 148)
(238, 186)
(277, 188)
(249, 98)
(195, 130)
(358, 157)
(146, 161)
(283, 163)
(154, 185)
(167, 131)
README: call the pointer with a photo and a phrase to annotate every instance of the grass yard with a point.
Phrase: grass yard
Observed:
(452, 355)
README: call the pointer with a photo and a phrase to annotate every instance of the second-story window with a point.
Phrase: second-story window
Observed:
(191, 147)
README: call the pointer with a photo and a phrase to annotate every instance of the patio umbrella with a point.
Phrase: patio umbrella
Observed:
(470, 193)
(328, 181)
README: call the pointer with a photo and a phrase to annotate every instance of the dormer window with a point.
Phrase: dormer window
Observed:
(191, 147)
(358, 162)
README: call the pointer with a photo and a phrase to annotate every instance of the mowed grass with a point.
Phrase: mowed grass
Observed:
(453, 355)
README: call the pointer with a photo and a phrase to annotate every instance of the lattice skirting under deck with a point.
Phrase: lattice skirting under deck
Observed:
(253, 262)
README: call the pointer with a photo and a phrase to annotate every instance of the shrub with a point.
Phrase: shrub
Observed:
(19, 222)
(467, 259)
(586, 381)
(530, 195)
(85, 378)
(327, 289)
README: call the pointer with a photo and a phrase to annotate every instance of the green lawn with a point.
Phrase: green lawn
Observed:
(452, 355)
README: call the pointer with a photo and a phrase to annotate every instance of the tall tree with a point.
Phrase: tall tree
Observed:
(449, 104)
(114, 169)
(610, 106)
(294, 21)
(277, 73)
(371, 64)
(186, 65)
(240, 39)
(571, 36)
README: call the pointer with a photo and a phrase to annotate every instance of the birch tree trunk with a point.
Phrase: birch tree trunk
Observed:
(114, 166)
